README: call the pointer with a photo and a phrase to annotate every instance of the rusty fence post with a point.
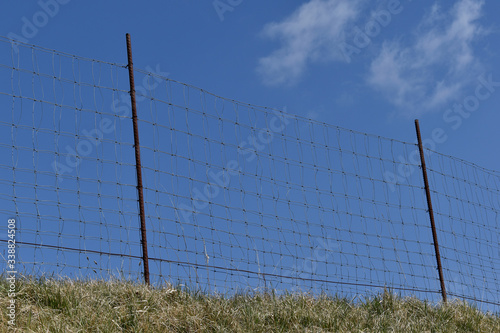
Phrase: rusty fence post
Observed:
(431, 212)
(138, 166)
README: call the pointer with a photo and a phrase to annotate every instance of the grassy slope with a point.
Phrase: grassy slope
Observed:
(97, 306)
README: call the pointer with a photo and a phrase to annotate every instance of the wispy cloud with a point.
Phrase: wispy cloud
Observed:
(439, 63)
(312, 33)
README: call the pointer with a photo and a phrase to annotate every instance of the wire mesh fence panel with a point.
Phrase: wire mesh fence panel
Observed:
(467, 219)
(67, 167)
(238, 197)
(244, 197)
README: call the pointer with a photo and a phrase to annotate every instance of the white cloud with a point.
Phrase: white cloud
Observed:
(439, 64)
(312, 33)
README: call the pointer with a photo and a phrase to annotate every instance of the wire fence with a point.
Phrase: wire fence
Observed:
(237, 197)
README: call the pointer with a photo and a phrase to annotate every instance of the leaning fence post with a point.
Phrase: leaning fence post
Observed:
(138, 166)
(431, 212)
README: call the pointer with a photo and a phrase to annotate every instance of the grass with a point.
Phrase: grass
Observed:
(49, 305)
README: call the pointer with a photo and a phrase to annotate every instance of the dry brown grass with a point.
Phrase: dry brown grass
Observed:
(49, 305)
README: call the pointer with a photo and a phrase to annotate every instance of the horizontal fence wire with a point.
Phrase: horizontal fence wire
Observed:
(238, 197)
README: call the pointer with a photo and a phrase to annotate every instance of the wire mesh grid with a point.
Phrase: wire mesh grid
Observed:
(244, 197)
(67, 167)
(467, 221)
(237, 196)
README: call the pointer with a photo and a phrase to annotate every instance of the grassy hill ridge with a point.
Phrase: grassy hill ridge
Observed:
(48, 305)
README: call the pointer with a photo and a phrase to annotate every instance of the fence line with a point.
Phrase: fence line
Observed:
(236, 196)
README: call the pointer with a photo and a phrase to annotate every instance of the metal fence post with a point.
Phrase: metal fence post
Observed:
(431, 212)
(138, 166)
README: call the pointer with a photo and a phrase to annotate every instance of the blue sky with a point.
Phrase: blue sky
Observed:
(369, 66)
(422, 59)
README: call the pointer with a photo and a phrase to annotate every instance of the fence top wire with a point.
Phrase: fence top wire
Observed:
(468, 163)
(56, 52)
(267, 108)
